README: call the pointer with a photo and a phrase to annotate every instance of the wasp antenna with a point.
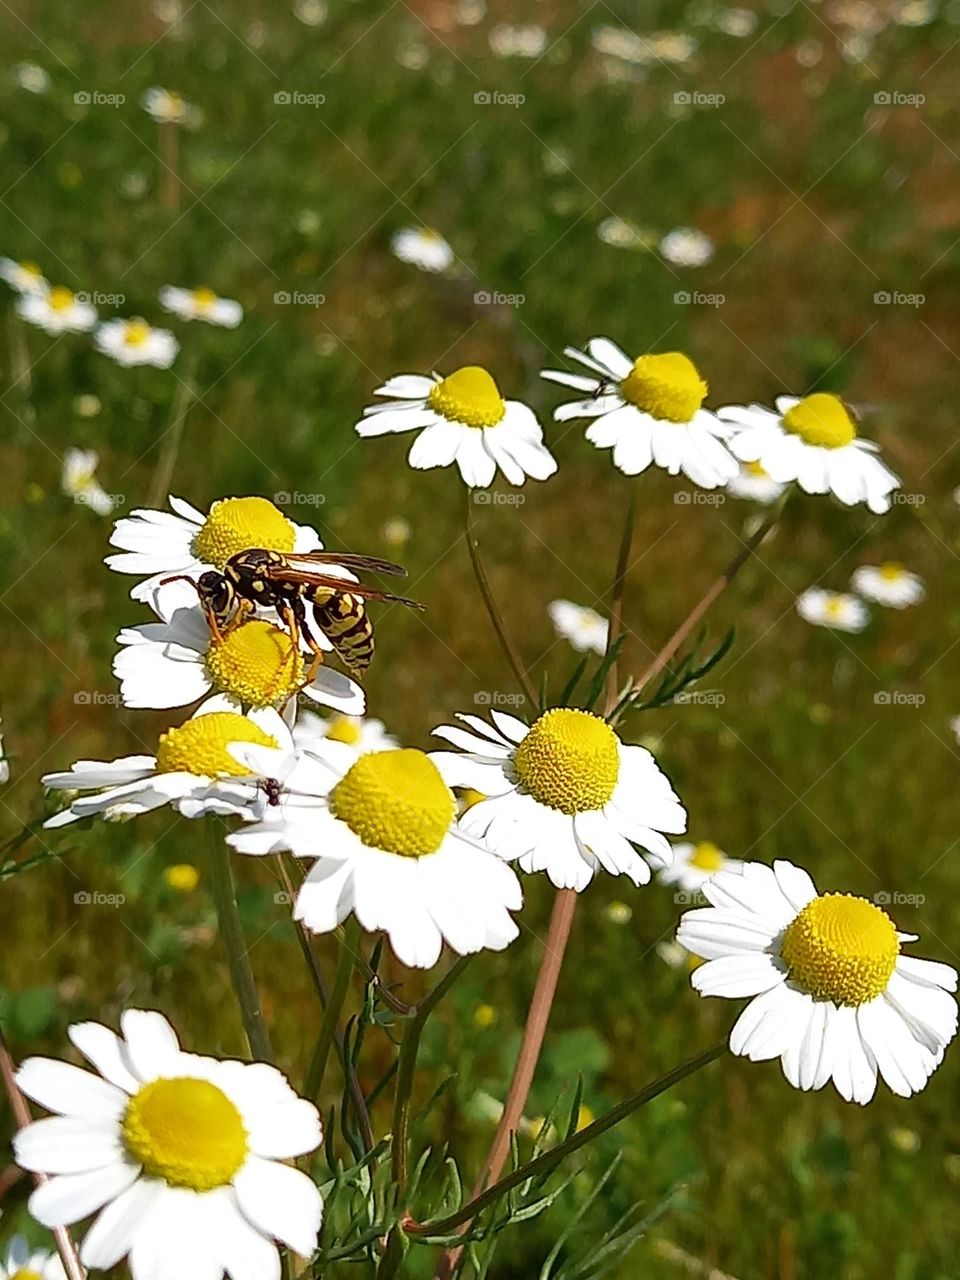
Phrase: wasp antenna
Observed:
(179, 577)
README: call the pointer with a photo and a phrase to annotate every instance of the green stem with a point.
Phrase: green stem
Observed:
(170, 446)
(616, 601)
(331, 1014)
(546, 1162)
(238, 958)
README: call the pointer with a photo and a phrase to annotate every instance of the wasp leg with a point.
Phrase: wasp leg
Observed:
(317, 660)
(242, 611)
(210, 615)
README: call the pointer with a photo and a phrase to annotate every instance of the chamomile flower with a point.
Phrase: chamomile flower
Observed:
(888, 584)
(649, 411)
(32, 77)
(585, 629)
(79, 480)
(25, 277)
(755, 485)
(201, 304)
(814, 442)
(180, 1156)
(831, 993)
(192, 769)
(166, 107)
(832, 609)
(176, 661)
(157, 545)
(359, 732)
(687, 247)
(694, 863)
(56, 311)
(463, 419)
(565, 795)
(25, 1263)
(135, 342)
(424, 248)
(389, 850)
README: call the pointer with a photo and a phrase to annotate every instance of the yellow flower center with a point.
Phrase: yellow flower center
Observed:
(256, 663)
(186, 1131)
(237, 524)
(707, 856)
(756, 469)
(469, 796)
(200, 746)
(345, 729)
(667, 386)
(821, 419)
(203, 298)
(60, 298)
(26, 1274)
(396, 801)
(570, 760)
(834, 607)
(469, 396)
(31, 269)
(136, 333)
(841, 948)
(891, 571)
(183, 876)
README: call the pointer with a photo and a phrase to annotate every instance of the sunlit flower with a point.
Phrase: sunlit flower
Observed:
(565, 795)
(832, 609)
(157, 545)
(754, 484)
(31, 77)
(694, 863)
(359, 732)
(649, 411)
(509, 41)
(79, 480)
(814, 442)
(134, 342)
(463, 419)
(23, 1262)
(201, 304)
(57, 311)
(687, 247)
(181, 1156)
(585, 629)
(25, 277)
(888, 584)
(424, 248)
(167, 107)
(388, 849)
(831, 993)
(192, 769)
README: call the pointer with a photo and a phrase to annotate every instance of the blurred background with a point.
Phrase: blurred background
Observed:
(808, 153)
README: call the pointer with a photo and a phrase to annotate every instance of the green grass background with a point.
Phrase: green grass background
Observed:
(818, 198)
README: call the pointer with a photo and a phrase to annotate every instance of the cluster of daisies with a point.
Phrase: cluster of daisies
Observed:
(129, 341)
(889, 585)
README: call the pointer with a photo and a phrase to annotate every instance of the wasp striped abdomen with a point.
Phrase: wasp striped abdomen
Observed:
(344, 620)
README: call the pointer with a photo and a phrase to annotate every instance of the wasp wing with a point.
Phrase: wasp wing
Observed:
(297, 577)
(372, 564)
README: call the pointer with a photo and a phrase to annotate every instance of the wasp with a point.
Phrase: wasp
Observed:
(287, 583)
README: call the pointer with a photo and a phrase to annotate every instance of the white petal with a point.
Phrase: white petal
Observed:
(68, 1144)
(280, 1201)
(67, 1090)
(68, 1198)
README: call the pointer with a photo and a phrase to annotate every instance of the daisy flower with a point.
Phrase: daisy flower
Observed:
(466, 421)
(25, 1263)
(158, 545)
(356, 731)
(622, 234)
(424, 248)
(888, 584)
(166, 107)
(565, 795)
(179, 1156)
(134, 342)
(201, 304)
(25, 277)
(79, 480)
(508, 41)
(694, 863)
(832, 609)
(192, 770)
(831, 993)
(584, 628)
(56, 310)
(687, 247)
(31, 77)
(648, 410)
(754, 484)
(813, 441)
(389, 850)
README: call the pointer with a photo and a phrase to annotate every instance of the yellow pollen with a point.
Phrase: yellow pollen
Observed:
(666, 386)
(345, 729)
(26, 1274)
(237, 524)
(182, 876)
(821, 419)
(256, 663)
(60, 298)
(891, 571)
(200, 746)
(570, 760)
(395, 801)
(469, 396)
(136, 333)
(469, 796)
(756, 469)
(31, 269)
(707, 856)
(185, 1131)
(203, 298)
(834, 607)
(841, 948)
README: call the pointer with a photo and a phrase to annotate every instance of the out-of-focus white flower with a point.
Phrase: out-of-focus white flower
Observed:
(57, 311)
(888, 584)
(914, 13)
(201, 304)
(832, 609)
(469, 12)
(625, 235)
(508, 41)
(695, 863)
(687, 247)
(359, 732)
(424, 248)
(25, 1263)
(584, 628)
(79, 480)
(662, 46)
(25, 277)
(396, 531)
(135, 342)
(87, 405)
(312, 13)
(754, 483)
(167, 107)
(736, 22)
(31, 77)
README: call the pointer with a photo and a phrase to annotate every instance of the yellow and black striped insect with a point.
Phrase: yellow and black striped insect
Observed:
(287, 583)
